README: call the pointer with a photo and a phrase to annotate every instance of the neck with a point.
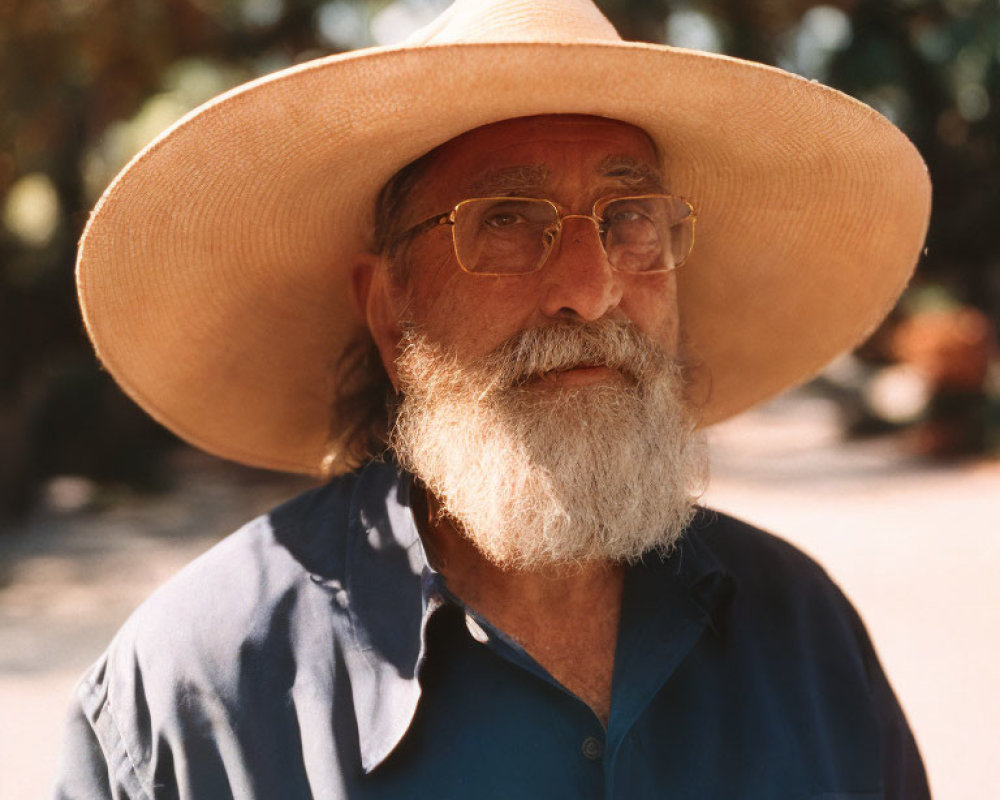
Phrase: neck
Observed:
(566, 617)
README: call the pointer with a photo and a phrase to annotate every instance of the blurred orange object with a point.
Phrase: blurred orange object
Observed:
(950, 349)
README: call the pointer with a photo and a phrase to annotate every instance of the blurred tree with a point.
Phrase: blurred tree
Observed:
(84, 84)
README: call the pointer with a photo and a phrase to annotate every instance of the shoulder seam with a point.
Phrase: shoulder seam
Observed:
(133, 768)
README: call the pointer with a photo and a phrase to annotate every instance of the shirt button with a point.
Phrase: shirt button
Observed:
(592, 748)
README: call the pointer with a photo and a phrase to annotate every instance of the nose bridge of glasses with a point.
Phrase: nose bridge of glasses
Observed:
(590, 217)
(598, 225)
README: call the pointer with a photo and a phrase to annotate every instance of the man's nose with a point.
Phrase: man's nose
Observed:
(577, 280)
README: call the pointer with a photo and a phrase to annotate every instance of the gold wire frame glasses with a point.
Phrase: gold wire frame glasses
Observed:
(646, 234)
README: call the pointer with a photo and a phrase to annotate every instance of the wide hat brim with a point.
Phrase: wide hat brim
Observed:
(213, 274)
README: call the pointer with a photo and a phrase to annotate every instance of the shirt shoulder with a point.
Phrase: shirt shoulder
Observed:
(226, 649)
(268, 564)
(792, 624)
(755, 557)
(778, 591)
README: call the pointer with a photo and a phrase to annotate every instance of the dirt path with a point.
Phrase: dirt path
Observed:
(917, 549)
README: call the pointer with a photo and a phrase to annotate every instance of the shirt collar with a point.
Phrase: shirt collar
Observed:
(392, 593)
(710, 585)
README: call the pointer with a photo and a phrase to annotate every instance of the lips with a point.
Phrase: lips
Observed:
(579, 374)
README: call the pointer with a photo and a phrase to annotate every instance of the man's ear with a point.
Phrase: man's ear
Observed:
(372, 294)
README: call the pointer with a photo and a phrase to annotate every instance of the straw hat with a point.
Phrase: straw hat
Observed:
(213, 272)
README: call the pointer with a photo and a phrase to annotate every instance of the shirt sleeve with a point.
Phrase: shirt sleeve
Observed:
(904, 777)
(95, 764)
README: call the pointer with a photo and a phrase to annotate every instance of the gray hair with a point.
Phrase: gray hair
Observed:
(364, 402)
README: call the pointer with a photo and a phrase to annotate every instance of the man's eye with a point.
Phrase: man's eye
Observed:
(623, 215)
(502, 220)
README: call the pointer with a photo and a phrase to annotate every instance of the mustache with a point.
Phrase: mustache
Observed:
(562, 345)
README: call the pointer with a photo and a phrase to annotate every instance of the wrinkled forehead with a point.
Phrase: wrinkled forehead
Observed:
(517, 155)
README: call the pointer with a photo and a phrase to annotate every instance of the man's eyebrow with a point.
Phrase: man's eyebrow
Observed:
(632, 173)
(512, 181)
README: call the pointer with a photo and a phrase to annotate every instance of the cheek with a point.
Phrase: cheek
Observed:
(429, 276)
(651, 303)
(474, 314)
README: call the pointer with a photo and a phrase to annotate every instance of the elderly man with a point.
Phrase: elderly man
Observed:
(512, 592)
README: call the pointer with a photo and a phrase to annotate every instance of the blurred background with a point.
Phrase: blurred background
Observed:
(98, 503)
(86, 83)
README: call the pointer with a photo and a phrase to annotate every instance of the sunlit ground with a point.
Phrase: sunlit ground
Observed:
(916, 546)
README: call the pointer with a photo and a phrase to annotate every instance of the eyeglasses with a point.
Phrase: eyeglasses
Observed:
(645, 234)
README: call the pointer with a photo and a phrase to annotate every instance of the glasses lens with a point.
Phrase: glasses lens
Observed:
(504, 235)
(646, 234)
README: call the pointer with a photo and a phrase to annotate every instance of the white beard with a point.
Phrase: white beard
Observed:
(537, 475)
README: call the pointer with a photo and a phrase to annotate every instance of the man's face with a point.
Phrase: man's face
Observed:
(573, 161)
(545, 411)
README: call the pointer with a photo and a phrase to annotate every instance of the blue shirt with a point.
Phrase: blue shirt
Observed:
(314, 654)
